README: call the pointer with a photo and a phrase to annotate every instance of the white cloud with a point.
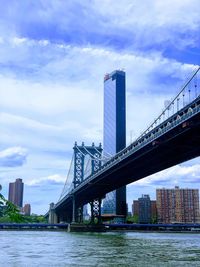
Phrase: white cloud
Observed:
(137, 24)
(54, 108)
(18, 41)
(57, 178)
(179, 174)
(13, 157)
(152, 22)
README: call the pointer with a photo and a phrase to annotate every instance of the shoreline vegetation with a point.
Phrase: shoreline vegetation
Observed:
(10, 213)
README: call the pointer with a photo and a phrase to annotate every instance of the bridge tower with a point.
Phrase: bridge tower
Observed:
(80, 153)
(81, 172)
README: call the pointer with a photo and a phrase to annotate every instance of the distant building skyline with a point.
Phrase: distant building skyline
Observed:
(114, 133)
(15, 194)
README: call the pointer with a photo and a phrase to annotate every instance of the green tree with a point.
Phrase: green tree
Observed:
(132, 219)
(136, 219)
(11, 212)
(154, 219)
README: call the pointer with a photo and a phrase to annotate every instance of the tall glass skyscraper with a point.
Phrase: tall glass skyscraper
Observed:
(115, 133)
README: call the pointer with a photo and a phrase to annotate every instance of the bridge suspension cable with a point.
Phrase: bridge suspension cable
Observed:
(87, 170)
(189, 91)
(104, 154)
(93, 157)
(68, 186)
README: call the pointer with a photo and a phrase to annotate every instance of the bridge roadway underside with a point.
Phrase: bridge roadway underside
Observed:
(179, 144)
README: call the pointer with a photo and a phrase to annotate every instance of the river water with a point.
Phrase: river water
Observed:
(57, 248)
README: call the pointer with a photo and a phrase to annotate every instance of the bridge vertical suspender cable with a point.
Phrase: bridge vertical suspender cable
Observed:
(69, 180)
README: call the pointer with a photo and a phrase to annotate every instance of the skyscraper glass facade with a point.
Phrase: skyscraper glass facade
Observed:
(114, 133)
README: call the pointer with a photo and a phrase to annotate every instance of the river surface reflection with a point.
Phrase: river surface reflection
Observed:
(47, 248)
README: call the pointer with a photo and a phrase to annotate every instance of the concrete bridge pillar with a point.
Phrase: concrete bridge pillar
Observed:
(77, 212)
(80, 214)
(92, 213)
(52, 214)
(73, 209)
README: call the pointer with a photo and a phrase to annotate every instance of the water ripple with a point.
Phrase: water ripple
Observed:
(62, 249)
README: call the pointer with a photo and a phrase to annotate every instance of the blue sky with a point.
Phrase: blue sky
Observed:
(53, 57)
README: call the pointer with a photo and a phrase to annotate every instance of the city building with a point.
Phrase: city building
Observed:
(86, 215)
(27, 209)
(15, 194)
(177, 205)
(154, 215)
(135, 208)
(145, 209)
(114, 134)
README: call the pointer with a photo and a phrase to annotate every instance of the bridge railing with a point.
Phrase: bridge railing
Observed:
(167, 125)
(188, 93)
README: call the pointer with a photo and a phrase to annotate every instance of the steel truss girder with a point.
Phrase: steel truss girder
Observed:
(96, 210)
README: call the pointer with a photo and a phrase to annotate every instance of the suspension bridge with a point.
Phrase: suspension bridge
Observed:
(172, 138)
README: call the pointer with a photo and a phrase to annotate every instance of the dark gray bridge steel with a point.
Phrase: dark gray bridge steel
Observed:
(174, 141)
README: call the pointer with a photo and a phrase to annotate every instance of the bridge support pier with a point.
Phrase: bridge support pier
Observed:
(77, 212)
(80, 214)
(77, 224)
(73, 210)
(53, 218)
